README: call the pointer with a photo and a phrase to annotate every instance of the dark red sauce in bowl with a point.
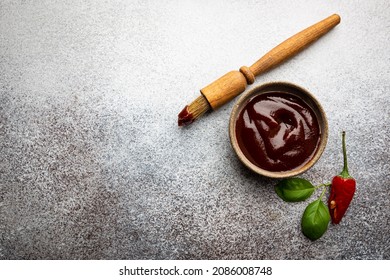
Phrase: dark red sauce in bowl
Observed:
(278, 130)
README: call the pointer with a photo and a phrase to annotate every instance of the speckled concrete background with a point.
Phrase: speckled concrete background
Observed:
(93, 165)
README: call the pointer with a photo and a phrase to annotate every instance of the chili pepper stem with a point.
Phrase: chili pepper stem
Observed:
(344, 173)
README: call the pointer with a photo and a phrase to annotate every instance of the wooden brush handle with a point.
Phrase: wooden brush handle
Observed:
(293, 45)
(233, 83)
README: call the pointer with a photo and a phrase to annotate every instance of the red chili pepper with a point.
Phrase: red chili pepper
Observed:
(342, 190)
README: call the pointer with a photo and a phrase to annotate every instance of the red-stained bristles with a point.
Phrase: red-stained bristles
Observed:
(193, 111)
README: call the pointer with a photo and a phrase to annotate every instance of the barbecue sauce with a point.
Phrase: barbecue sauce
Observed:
(278, 131)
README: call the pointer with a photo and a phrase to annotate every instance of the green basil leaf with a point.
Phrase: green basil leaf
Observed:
(294, 189)
(315, 219)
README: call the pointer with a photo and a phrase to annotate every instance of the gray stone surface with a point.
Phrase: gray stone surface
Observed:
(93, 165)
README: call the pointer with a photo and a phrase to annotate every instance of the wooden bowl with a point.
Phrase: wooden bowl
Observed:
(296, 91)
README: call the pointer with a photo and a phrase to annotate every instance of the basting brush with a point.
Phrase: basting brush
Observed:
(233, 83)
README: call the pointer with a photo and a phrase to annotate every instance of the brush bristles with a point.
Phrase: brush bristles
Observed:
(192, 112)
(198, 107)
